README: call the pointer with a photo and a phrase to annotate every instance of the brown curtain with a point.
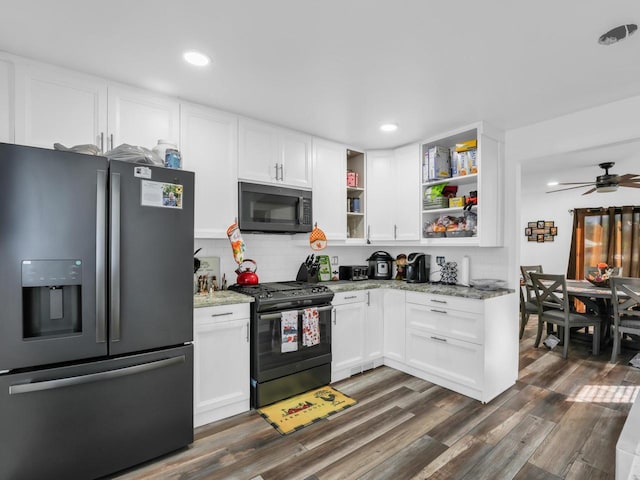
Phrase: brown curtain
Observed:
(610, 235)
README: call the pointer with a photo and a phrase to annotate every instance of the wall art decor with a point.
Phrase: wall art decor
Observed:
(541, 231)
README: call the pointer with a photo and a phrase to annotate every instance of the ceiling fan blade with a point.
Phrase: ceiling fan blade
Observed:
(628, 176)
(591, 190)
(629, 184)
(577, 183)
(569, 188)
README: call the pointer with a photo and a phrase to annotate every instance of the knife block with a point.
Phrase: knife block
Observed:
(304, 276)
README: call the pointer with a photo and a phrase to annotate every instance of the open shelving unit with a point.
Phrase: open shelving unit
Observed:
(356, 219)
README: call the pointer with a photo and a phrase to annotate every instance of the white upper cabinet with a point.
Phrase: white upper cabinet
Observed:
(209, 147)
(407, 193)
(393, 189)
(269, 154)
(6, 95)
(139, 118)
(54, 105)
(58, 106)
(329, 188)
(380, 195)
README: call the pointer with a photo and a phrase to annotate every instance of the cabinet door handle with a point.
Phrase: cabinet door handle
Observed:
(221, 314)
(368, 233)
(368, 299)
(439, 311)
(282, 172)
(438, 301)
(439, 339)
(111, 141)
(333, 315)
(276, 166)
(101, 142)
(395, 232)
(351, 297)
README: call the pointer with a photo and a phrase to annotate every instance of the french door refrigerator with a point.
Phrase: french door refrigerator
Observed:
(96, 364)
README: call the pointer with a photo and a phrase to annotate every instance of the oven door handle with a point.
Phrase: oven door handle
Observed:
(271, 316)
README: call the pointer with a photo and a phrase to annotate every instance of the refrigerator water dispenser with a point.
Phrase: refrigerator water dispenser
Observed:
(51, 297)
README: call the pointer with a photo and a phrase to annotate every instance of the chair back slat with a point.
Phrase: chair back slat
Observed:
(526, 270)
(550, 290)
(626, 306)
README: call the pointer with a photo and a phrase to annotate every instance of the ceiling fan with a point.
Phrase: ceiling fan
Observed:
(605, 183)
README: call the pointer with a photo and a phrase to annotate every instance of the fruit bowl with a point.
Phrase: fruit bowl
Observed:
(600, 276)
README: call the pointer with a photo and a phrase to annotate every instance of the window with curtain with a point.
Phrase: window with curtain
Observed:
(605, 235)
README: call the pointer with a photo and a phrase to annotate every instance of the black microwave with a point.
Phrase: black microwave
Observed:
(273, 209)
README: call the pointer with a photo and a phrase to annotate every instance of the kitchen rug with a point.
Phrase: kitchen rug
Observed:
(302, 410)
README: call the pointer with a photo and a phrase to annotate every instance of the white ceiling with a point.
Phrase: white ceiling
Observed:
(340, 68)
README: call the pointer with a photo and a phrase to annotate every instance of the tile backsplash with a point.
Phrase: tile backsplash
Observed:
(279, 256)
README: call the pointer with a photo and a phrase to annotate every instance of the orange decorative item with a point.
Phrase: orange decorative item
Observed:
(317, 239)
(237, 244)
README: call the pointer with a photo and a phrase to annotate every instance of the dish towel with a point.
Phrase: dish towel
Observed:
(289, 324)
(310, 327)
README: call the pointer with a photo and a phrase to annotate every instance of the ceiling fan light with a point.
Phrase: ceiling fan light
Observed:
(606, 188)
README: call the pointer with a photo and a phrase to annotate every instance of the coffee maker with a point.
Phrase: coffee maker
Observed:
(418, 268)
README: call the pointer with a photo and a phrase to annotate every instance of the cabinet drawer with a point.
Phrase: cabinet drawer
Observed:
(446, 301)
(458, 324)
(349, 297)
(222, 313)
(449, 358)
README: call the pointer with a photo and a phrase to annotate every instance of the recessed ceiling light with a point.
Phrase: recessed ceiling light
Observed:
(196, 58)
(616, 34)
(389, 127)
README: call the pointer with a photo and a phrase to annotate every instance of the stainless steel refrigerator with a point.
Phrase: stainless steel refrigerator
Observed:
(96, 361)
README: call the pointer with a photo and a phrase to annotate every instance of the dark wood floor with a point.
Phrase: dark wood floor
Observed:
(560, 420)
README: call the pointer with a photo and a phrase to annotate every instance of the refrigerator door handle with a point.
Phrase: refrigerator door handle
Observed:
(101, 255)
(114, 324)
(94, 377)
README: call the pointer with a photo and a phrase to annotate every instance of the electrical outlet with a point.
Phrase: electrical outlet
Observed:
(334, 260)
(440, 261)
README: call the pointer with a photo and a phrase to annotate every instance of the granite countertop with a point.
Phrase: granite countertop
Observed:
(226, 297)
(438, 289)
(220, 297)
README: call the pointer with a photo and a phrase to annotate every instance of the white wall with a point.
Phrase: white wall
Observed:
(538, 205)
(565, 148)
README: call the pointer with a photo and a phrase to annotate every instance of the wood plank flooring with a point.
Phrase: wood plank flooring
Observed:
(561, 419)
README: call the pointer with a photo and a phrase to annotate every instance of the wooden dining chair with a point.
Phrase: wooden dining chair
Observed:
(554, 308)
(528, 303)
(626, 313)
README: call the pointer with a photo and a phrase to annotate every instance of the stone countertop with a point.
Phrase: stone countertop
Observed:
(435, 288)
(227, 297)
(221, 297)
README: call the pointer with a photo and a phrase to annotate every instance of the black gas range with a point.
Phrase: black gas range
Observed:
(285, 295)
(285, 360)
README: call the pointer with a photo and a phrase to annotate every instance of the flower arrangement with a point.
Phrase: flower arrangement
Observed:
(600, 275)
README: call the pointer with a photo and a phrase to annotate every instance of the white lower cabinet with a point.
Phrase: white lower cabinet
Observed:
(374, 329)
(394, 328)
(469, 346)
(347, 341)
(357, 339)
(221, 362)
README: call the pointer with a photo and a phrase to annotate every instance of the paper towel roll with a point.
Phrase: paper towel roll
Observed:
(464, 271)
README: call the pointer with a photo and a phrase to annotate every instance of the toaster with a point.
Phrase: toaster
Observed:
(353, 272)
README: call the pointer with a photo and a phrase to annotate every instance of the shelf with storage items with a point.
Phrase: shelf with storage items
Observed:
(355, 201)
(481, 223)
